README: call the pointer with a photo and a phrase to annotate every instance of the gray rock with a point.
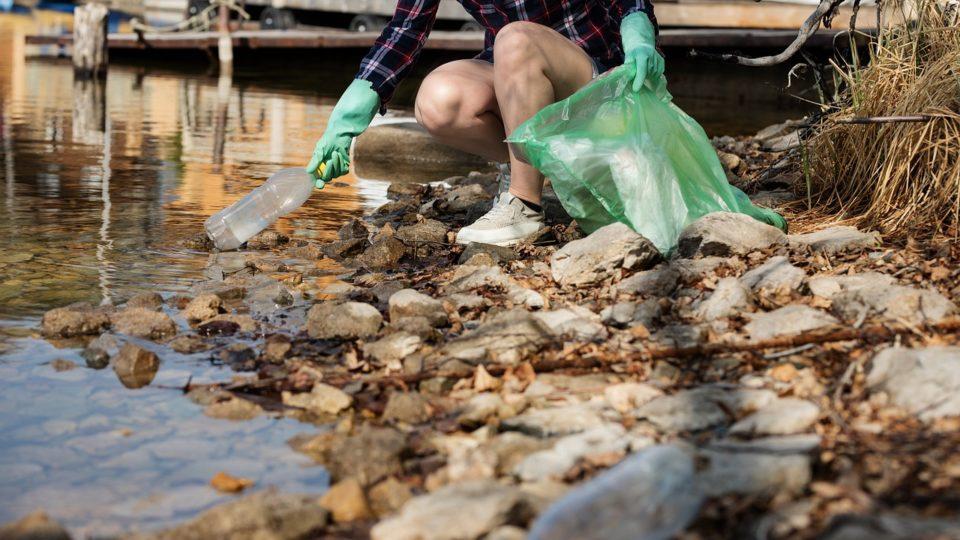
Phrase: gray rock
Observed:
(894, 302)
(268, 295)
(370, 455)
(623, 314)
(322, 399)
(553, 463)
(410, 303)
(349, 320)
(777, 130)
(726, 233)
(189, 343)
(392, 348)
(785, 444)
(573, 322)
(34, 526)
(464, 199)
(775, 274)
(830, 286)
(74, 321)
(482, 407)
(782, 143)
(409, 407)
(504, 338)
(385, 289)
(753, 474)
(626, 396)
(701, 408)
(456, 512)
(692, 270)
(681, 335)
(203, 307)
(226, 263)
(461, 302)
(889, 526)
(384, 254)
(650, 495)
(659, 281)
(353, 229)
(773, 198)
(143, 323)
(345, 249)
(470, 278)
(135, 366)
(267, 514)
(149, 300)
(925, 382)
(729, 298)
(782, 417)
(788, 320)
(602, 255)
(417, 326)
(562, 420)
(428, 231)
(499, 254)
(836, 239)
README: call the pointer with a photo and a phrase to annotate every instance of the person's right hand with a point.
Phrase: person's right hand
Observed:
(351, 116)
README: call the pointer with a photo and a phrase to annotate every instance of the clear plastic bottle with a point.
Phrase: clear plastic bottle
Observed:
(281, 194)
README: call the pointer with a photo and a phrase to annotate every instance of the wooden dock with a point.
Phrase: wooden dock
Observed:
(323, 38)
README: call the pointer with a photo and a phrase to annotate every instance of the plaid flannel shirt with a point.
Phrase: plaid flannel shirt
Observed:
(594, 25)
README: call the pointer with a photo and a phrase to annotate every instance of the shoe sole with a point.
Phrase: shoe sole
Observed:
(504, 242)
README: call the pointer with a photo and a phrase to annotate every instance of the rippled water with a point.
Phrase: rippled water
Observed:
(100, 188)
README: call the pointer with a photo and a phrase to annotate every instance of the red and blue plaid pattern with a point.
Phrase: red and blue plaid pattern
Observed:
(594, 25)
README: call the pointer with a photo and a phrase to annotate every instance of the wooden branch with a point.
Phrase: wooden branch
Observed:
(885, 119)
(631, 362)
(824, 10)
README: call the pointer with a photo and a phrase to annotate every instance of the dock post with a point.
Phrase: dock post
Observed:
(90, 40)
(225, 42)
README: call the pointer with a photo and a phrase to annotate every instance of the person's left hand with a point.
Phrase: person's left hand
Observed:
(639, 48)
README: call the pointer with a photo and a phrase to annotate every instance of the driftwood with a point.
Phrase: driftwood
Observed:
(823, 13)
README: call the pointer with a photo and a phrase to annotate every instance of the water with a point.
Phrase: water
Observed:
(97, 198)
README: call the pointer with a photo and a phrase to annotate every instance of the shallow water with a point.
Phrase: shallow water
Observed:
(95, 206)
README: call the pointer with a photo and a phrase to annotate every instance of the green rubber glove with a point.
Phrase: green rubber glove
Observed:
(639, 48)
(352, 115)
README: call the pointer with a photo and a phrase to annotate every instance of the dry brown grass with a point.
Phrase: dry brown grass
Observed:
(901, 178)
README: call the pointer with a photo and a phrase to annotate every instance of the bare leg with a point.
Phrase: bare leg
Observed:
(457, 104)
(534, 66)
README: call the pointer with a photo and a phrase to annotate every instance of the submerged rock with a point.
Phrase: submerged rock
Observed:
(34, 526)
(143, 323)
(149, 300)
(602, 255)
(456, 512)
(727, 233)
(924, 382)
(265, 514)
(76, 320)
(203, 307)
(135, 366)
(651, 494)
(349, 320)
(836, 239)
(788, 320)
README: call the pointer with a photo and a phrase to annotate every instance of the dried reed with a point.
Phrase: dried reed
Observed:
(900, 176)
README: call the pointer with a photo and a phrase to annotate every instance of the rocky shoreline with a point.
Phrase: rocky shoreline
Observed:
(754, 383)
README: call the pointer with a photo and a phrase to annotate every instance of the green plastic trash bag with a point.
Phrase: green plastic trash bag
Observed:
(617, 155)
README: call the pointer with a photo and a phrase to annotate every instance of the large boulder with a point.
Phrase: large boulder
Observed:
(349, 320)
(726, 233)
(602, 255)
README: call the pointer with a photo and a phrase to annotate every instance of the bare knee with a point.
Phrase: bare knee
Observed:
(439, 103)
(516, 50)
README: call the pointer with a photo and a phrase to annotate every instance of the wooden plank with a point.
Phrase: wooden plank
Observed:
(450, 41)
(750, 14)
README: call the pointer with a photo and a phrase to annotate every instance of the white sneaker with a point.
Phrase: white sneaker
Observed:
(507, 223)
